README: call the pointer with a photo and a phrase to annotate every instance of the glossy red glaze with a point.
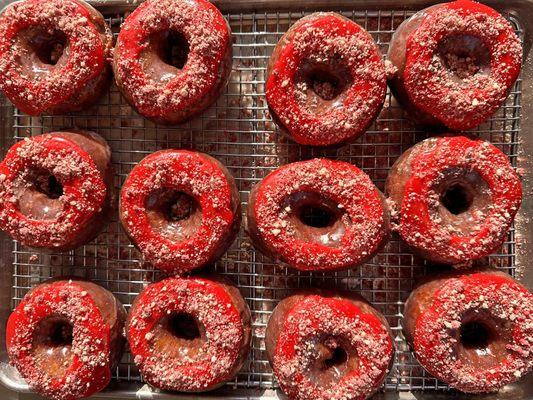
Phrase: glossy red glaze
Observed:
(361, 228)
(207, 182)
(324, 39)
(224, 334)
(162, 92)
(466, 105)
(90, 368)
(317, 318)
(84, 190)
(86, 66)
(419, 224)
(492, 297)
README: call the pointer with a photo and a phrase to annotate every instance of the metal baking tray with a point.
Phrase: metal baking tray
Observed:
(239, 132)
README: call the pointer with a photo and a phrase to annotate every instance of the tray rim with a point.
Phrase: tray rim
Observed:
(521, 9)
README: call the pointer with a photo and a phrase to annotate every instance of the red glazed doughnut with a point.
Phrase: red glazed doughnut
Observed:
(56, 189)
(181, 209)
(318, 215)
(326, 80)
(173, 58)
(65, 337)
(472, 330)
(328, 347)
(456, 198)
(456, 62)
(189, 334)
(53, 55)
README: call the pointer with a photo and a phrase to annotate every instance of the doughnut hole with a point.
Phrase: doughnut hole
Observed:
(481, 341)
(464, 57)
(45, 51)
(173, 48)
(321, 86)
(476, 335)
(316, 218)
(40, 198)
(165, 55)
(173, 213)
(332, 359)
(457, 198)
(48, 185)
(52, 345)
(49, 48)
(463, 200)
(179, 335)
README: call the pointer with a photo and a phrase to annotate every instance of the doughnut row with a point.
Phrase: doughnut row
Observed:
(451, 198)
(471, 329)
(451, 64)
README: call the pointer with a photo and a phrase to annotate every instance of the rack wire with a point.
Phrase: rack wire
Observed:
(240, 133)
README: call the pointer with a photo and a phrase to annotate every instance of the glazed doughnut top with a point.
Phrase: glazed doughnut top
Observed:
(465, 101)
(476, 295)
(218, 318)
(317, 318)
(327, 41)
(84, 189)
(207, 35)
(359, 202)
(25, 81)
(89, 368)
(424, 223)
(194, 175)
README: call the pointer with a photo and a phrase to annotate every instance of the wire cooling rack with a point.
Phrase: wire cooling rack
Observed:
(239, 132)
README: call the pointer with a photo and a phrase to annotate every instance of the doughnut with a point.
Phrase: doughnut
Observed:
(65, 337)
(472, 330)
(181, 209)
(326, 81)
(53, 55)
(173, 58)
(324, 346)
(56, 189)
(318, 215)
(456, 198)
(189, 334)
(455, 64)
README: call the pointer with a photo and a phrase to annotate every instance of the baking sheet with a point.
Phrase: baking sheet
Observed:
(239, 132)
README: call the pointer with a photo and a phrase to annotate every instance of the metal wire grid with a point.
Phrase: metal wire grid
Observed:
(239, 132)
